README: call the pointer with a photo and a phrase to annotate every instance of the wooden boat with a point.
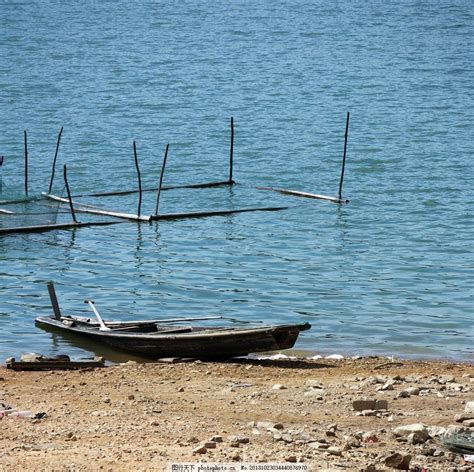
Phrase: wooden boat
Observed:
(165, 338)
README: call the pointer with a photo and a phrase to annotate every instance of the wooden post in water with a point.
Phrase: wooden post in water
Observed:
(26, 163)
(231, 164)
(139, 179)
(1, 180)
(54, 161)
(161, 180)
(344, 158)
(69, 195)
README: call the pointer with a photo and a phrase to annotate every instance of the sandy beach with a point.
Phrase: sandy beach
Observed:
(321, 414)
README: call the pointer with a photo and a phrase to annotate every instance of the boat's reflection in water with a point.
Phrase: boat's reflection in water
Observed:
(64, 340)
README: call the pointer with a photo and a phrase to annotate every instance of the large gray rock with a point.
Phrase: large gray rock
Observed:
(418, 428)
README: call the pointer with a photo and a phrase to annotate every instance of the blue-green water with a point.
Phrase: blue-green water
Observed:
(390, 273)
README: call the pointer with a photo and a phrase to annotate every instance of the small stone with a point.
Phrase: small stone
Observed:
(417, 437)
(334, 451)
(398, 461)
(435, 431)
(388, 385)
(200, 450)
(210, 445)
(181, 389)
(404, 394)
(463, 417)
(278, 387)
(318, 445)
(369, 413)
(352, 442)
(468, 423)
(216, 438)
(291, 459)
(370, 468)
(240, 439)
(106, 400)
(131, 397)
(313, 383)
(469, 407)
(278, 426)
(234, 444)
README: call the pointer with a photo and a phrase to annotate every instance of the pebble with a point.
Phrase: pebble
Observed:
(200, 450)
(278, 387)
(417, 437)
(210, 445)
(216, 438)
(240, 439)
(388, 385)
(334, 451)
(313, 383)
(318, 444)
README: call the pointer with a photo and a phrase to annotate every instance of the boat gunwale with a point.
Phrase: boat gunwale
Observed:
(208, 334)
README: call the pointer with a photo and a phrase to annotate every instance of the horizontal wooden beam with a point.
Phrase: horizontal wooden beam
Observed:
(57, 226)
(297, 193)
(54, 365)
(154, 189)
(80, 207)
(204, 214)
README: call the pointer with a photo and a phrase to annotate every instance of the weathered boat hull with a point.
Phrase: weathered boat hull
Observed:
(199, 343)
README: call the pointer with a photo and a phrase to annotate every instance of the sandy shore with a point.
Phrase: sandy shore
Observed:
(147, 416)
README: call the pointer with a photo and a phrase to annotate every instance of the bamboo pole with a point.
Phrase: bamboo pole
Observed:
(54, 160)
(81, 208)
(161, 180)
(139, 178)
(26, 163)
(231, 163)
(52, 227)
(69, 195)
(204, 214)
(344, 157)
(1, 175)
(153, 189)
(297, 193)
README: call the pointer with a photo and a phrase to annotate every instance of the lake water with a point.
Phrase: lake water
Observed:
(389, 273)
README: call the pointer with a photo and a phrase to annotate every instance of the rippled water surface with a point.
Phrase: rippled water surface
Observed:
(389, 273)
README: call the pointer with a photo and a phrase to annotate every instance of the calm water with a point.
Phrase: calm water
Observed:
(390, 273)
